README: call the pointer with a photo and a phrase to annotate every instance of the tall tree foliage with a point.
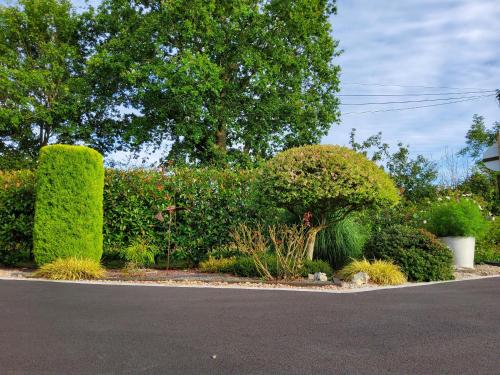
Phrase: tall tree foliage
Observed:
(42, 91)
(217, 79)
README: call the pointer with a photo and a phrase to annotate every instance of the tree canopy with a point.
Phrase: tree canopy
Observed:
(216, 79)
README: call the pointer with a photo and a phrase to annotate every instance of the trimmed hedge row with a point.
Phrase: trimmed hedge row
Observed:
(208, 202)
(68, 209)
(17, 207)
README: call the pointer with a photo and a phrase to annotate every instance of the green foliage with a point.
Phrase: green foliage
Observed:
(43, 90)
(457, 218)
(71, 269)
(17, 201)
(479, 137)
(326, 179)
(237, 79)
(482, 186)
(222, 265)
(414, 177)
(488, 247)
(380, 271)
(341, 242)
(140, 253)
(68, 208)
(313, 266)
(208, 204)
(421, 256)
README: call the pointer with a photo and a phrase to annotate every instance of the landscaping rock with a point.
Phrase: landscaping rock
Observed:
(360, 278)
(310, 277)
(338, 282)
(320, 276)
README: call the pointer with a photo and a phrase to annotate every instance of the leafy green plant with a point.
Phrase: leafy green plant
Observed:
(324, 183)
(17, 211)
(380, 271)
(457, 218)
(488, 247)
(71, 269)
(140, 253)
(313, 266)
(69, 204)
(222, 265)
(341, 242)
(421, 256)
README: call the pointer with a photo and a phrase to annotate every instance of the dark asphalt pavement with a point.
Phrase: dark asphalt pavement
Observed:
(59, 328)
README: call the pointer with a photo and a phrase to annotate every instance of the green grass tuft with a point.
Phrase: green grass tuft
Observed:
(380, 271)
(71, 269)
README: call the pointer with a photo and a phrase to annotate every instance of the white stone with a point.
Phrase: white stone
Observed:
(310, 276)
(360, 278)
(320, 276)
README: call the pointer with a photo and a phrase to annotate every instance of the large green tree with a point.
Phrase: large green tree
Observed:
(217, 79)
(43, 93)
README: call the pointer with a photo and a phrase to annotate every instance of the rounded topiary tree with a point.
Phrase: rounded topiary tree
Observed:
(324, 183)
(69, 204)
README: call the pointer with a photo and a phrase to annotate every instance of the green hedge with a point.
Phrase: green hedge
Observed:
(421, 256)
(208, 203)
(69, 204)
(17, 202)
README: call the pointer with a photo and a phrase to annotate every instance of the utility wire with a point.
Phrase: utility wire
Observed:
(414, 101)
(423, 106)
(412, 86)
(426, 94)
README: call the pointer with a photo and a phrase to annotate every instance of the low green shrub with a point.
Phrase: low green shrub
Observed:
(71, 269)
(461, 217)
(313, 266)
(140, 253)
(421, 256)
(380, 271)
(68, 206)
(17, 211)
(341, 242)
(222, 265)
(488, 247)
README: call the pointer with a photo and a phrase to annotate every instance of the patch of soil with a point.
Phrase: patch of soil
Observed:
(478, 270)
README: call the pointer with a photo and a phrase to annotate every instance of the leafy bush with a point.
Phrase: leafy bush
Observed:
(488, 247)
(140, 253)
(313, 266)
(17, 211)
(421, 256)
(327, 182)
(457, 218)
(68, 207)
(380, 271)
(341, 242)
(71, 269)
(208, 204)
(222, 265)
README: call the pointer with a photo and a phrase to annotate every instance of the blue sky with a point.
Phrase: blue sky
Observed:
(453, 43)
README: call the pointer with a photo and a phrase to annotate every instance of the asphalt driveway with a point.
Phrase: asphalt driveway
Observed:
(61, 328)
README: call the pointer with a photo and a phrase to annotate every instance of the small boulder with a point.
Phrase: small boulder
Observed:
(320, 276)
(360, 278)
(338, 282)
(310, 277)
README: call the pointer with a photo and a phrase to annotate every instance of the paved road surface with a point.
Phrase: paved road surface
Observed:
(59, 328)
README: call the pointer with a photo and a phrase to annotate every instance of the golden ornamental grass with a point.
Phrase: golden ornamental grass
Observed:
(380, 271)
(71, 269)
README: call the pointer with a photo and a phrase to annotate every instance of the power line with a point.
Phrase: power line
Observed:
(422, 94)
(416, 107)
(413, 101)
(412, 86)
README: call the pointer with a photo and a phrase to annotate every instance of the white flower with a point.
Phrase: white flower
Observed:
(440, 199)
(448, 198)
(425, 221)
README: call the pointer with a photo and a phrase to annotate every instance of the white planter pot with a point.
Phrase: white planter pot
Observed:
(463, 250)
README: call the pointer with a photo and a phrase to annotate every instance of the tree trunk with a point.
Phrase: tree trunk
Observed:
(220, 138)
(311, 240)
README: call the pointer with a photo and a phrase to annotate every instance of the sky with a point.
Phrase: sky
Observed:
(450, 43)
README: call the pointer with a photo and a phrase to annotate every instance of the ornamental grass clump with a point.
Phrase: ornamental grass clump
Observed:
(381, 272)
(223, 265)
(71, 269)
